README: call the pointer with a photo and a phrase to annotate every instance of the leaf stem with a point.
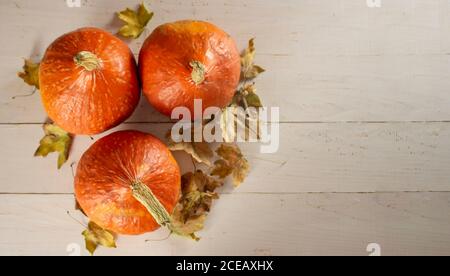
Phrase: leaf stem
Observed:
(26, 95)
(74, 219)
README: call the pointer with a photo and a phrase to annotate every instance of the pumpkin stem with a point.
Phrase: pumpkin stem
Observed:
(145, 196)
(88, 60)
(198, 71)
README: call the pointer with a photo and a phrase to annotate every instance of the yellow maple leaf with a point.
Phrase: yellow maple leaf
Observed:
(135, 22)
(232, 163)
(30, 74)
(55, 140)
(94, 236)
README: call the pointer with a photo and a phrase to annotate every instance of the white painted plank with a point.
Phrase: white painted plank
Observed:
(328, 60)
(303, 224)
(322, 157)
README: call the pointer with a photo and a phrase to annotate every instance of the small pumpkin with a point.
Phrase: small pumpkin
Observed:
(187, 60)
(107, 175)
(88, 81)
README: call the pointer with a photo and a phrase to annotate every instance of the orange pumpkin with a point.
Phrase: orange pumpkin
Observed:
(188, 60)
(88, 81)
(109, 169)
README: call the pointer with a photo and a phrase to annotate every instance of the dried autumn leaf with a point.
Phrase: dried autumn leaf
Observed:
(251, 98)
(135, 22)
(55, 140)
(186, 228)
(200, 151)
(222, 169)
(238, 122)
(198, 193)
(235, 160)
(30, 74)
(94, 236)
(228, 119)
(249, 69)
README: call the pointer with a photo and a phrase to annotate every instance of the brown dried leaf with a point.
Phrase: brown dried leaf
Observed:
(232, 155)
(186, 228)
(249, 69)
(230, 119)
(222, 169)
(198, 193)
(200, 151)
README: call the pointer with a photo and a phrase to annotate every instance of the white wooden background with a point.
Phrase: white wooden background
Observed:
(365, 130)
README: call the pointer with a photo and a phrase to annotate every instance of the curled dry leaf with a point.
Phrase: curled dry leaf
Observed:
(249, 69)
(200, 151)
(186, 228)
(198, 193)
(222, 169)
(232, 163)
(94, 236)
(55, 140)
(249, 97)
(135, 22)
(238, 122)
(228, 120)
(30, 74)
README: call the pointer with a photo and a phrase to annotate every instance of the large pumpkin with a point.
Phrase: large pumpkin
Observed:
(88, 81)
(109, 169)
(187, 60)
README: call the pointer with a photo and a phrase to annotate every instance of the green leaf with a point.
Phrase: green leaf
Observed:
(55, 140)
(135, 22)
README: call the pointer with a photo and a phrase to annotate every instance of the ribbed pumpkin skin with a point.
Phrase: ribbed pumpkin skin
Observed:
(110, 166)
(89, 102)
(164, 66)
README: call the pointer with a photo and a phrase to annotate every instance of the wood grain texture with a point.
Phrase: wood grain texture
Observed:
(364, 138)
(325, 157)
(327, 60)
(308, 224)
